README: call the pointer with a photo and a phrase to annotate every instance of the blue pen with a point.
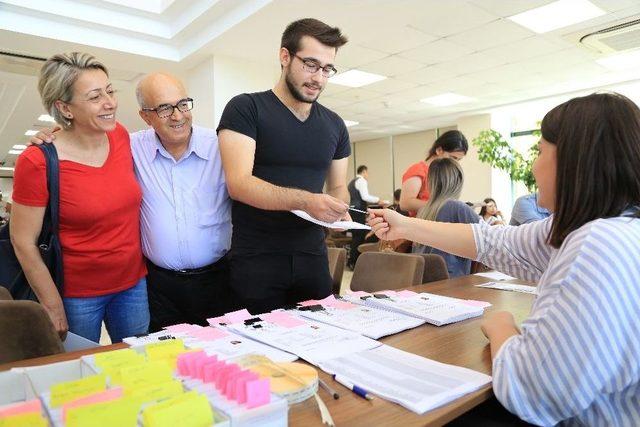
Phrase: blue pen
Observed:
(357, 390)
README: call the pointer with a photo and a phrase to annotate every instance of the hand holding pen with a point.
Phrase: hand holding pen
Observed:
(357, 390)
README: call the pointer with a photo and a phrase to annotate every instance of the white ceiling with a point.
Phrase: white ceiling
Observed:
(425, 47)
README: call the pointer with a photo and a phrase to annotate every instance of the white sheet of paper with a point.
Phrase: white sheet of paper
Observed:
(342, 225)
(311, 341)
(368, 321)
(495, 275)
(415, 382)
(510, 287)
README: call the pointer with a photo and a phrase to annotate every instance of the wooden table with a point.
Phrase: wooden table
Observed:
(460, 344)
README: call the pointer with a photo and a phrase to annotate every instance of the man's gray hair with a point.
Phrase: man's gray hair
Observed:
(57, 77)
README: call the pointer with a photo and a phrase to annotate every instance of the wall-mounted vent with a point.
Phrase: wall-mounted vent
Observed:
(614, 39)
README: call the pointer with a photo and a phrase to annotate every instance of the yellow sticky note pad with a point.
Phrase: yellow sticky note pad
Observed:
(72, 390)
(116, 357)
(163, 348)
(145, 374)
(24, 420)
(154, 392)
(186, 410)
(123, 412)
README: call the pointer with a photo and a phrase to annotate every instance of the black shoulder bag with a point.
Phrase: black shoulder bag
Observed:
(11, 275)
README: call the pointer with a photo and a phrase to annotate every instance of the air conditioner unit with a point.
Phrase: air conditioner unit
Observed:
(614, 39)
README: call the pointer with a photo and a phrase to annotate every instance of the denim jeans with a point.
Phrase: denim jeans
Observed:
(125, 313)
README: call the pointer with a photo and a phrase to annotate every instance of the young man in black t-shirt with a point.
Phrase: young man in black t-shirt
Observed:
(278, 147)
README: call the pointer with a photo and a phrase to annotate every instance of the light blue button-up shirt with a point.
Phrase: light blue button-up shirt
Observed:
(186, 209)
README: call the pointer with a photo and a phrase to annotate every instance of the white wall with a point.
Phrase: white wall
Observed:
(477, 182)
(376, 155)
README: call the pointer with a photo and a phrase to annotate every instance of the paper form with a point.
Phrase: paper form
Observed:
(435, 309)
(368, 321)
(495, 275)
(415, 382)
(342, 225)
(311, 341)
(510, 287)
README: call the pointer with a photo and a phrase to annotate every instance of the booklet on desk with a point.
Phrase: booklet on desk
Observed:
(437, 310)
(417, 383)
(368, 321)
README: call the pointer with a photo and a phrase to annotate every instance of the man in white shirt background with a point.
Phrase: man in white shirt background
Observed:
(360, 199)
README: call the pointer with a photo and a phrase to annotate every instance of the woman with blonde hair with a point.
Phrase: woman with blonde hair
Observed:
(445, 184)
(99, 224)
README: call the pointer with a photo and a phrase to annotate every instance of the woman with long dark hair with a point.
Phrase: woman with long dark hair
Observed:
(415, 190)
(575, 358)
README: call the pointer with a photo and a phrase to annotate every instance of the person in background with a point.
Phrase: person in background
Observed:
(445, 184)
(5, 210)
(415, 190)
(490, 214)
(526, 210)
(360, 199)
(104, 271)
(574, 360)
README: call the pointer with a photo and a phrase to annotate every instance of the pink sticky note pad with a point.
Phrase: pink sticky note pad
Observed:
(241, 386)
(406, 294)
(475, 303)
(230, 387)
(225, 373)
(209, 370)
(185, 362)
(103, 396)
(201, 363)
(343, 305)
(27, 407)
(328, 300)
(238, 316)
(258, 393)
(283, 319)
(181, 327)
(309, 302)
(359, 294)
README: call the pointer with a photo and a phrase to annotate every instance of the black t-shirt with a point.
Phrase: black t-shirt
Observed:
(289, 153)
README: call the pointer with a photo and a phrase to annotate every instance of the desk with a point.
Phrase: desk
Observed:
(460, 344)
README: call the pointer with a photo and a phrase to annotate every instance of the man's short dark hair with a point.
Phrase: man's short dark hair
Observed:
(361, 169)
(328, 36)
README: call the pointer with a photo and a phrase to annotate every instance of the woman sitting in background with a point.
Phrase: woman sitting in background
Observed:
(104, 272)
(415, 190)
(445, 184)
(490, 214)
(575, 359)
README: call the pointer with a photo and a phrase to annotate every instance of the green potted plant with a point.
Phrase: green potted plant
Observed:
(494, 150)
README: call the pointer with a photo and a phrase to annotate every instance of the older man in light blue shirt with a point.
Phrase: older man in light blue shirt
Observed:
(186, 210)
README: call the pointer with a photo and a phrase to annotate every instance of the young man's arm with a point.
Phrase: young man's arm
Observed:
(238, 155)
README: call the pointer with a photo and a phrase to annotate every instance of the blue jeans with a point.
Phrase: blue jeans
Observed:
(125, 313)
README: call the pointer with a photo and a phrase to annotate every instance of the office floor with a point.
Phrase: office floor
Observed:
(346, 280)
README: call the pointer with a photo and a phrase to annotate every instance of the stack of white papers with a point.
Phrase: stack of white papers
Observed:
(417, 383)
(510, 287)
(368, 321)
(309, 340)
(435, 309)
(495, 275)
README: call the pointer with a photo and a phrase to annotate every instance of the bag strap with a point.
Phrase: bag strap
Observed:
(52, 214)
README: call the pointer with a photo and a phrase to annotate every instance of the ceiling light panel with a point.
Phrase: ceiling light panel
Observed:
(447, 99)
(356, 78)
(558, 14)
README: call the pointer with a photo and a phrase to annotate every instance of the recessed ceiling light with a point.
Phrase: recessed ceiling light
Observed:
(621, 61)
(349, 123)
(19, 147)
(31, 132)
(46, 118)
(15, 151)
(446, 99)
(6, 168)
(356, 78)
(558, 14)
